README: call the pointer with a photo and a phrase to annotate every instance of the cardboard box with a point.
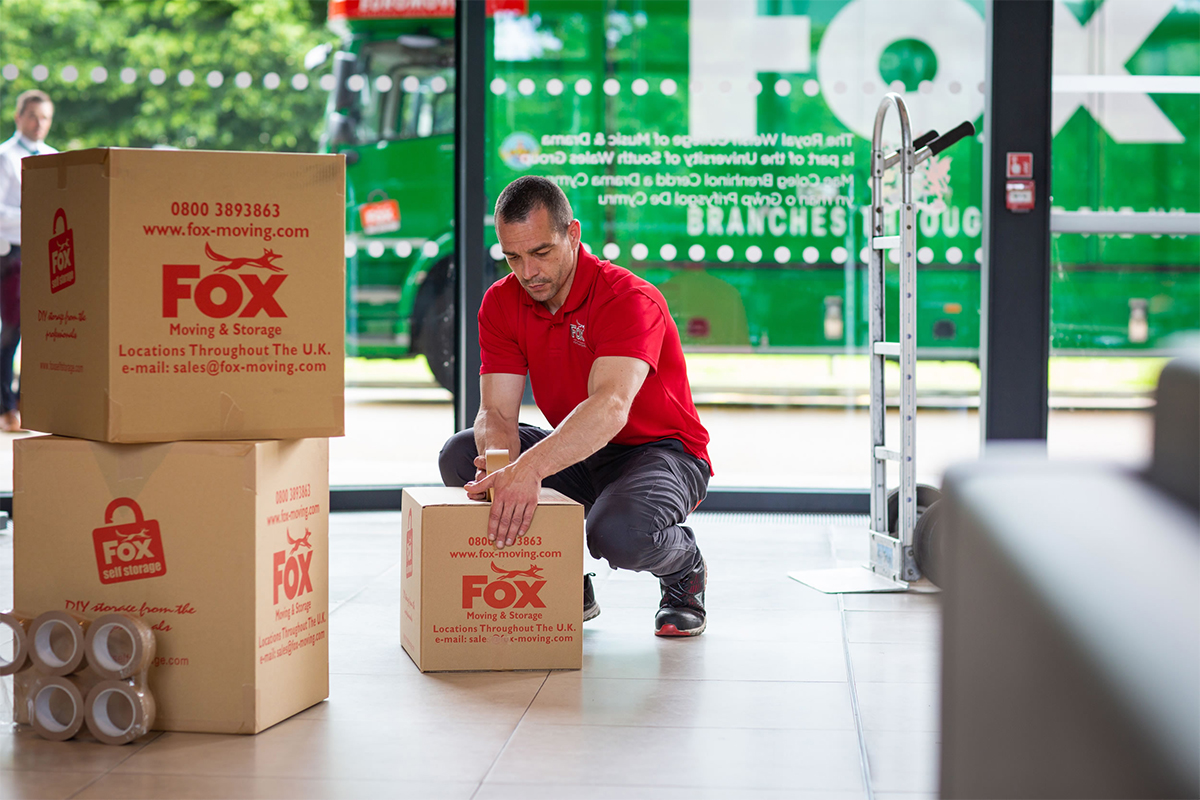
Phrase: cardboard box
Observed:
(221, 547)
(467, 606)
(173, 295)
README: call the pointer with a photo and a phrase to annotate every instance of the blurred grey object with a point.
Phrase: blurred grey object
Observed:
(1071, 637)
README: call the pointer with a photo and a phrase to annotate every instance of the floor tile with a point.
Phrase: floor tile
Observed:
(593, 791)
(615, 653)
(185, 787)
(573, 699)
(899, 706)
(50, 785)
(893, 601)
(368, 655)
(22, 749)
(895, 662)
(331, 749)
(733, 624)
(920, 627)
(430, 699)
(356, 618)
(717, 757)
(905, 762)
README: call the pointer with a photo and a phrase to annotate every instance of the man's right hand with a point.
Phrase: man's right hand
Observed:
(516, 492)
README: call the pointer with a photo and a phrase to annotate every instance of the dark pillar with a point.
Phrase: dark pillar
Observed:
(1015, 302)
(470, 53)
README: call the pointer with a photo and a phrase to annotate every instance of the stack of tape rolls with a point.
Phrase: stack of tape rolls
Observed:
(70, 670)
(120, 708)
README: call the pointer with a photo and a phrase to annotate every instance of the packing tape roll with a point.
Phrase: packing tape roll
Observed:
(56, 708)
(119, 646)
(58, 642)
(118, 712)
(494, 459)
(19, 624)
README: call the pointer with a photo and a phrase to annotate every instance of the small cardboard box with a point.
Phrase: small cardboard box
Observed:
(221, 547)
(465, 605)
(172, 295)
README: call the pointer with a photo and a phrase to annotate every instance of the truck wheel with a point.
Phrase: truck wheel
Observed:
(926, 496)
(433, 322)
(929, 543)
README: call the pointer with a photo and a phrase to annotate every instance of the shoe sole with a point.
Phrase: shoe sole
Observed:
(671, 630)
(591, 612)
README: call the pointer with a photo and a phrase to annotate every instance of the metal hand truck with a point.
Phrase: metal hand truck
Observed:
(894, 559)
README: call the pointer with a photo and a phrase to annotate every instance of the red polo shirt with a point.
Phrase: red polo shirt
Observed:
(609, 312)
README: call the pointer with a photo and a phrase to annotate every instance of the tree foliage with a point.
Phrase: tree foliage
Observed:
(217, 37)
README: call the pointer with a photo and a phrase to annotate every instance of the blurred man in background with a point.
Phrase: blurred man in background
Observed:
(34, 114)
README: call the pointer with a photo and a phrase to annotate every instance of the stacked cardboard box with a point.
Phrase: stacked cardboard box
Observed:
(183, 340)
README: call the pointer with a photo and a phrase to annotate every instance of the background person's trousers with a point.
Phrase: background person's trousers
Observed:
(634, 497)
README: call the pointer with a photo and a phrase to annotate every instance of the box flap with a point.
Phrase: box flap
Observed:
(427, 496)
(94, 155)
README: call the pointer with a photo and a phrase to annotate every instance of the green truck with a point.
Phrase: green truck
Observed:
(721, 150)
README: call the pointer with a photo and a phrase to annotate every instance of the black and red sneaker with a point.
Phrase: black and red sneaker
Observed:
(681, 610)
(591, 608)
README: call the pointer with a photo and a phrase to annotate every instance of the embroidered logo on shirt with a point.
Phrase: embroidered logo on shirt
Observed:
(577, 334)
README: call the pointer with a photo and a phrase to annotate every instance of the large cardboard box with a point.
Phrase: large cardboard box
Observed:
(172, 295)
(465, 605)
(221, 547)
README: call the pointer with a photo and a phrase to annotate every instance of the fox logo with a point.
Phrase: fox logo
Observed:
(291, 572)
(298, 543)
(504, 591)
(265, 261)
(220, 294)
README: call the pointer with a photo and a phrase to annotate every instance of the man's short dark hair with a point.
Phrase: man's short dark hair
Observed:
(29, 97)
(522, 196)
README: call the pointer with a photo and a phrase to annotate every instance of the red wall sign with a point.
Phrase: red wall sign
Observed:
(1020, 166)
(413, 9)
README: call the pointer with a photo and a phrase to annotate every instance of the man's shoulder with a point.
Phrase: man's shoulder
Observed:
(617, 281)
(503, 295)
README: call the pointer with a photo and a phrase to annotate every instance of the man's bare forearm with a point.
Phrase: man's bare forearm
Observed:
(495, 431)
(591, 426)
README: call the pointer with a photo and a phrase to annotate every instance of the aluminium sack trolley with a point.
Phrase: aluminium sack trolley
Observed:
(895, 553)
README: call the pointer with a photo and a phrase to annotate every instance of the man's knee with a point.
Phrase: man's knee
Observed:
(615, 533)
(457, 459)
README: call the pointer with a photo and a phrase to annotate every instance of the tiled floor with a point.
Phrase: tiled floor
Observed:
(789, 694)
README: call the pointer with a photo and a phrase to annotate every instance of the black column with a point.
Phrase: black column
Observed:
(470, 52)
(1015, 302)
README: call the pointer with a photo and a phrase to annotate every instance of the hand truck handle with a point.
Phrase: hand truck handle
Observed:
(941, 143)
(924, 139)
(918, 143)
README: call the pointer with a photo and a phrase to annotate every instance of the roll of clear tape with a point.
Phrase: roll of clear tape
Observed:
(119, 646)
(494, 460)
(55, 707)
(19, 624)
(58, 642)
(118, 712)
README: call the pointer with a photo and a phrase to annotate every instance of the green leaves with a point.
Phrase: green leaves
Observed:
(222, 50)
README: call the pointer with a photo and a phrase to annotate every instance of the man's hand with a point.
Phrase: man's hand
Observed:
(516, 493)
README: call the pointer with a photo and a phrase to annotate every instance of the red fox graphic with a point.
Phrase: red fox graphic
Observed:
(265, 261)
(534, 572)
(301, 542)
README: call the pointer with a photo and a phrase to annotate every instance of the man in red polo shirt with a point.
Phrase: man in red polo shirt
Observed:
(607, 370)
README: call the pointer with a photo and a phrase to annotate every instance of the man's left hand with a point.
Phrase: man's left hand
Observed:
(514, 501)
